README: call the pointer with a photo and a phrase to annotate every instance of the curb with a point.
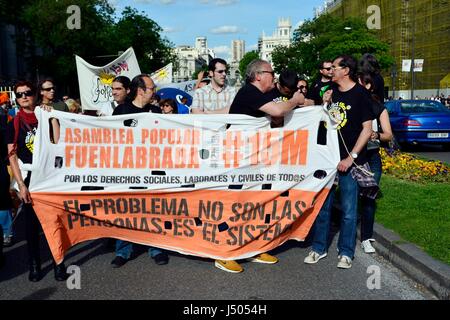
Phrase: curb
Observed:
(417, 264)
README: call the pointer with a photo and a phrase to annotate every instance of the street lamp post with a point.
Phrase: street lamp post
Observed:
(393, 76)
(413, 52)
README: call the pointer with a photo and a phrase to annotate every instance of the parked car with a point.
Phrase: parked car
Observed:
(419, 121)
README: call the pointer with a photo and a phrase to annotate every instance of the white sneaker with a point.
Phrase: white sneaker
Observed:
(344, 262)
(367, 246)
(314, 257)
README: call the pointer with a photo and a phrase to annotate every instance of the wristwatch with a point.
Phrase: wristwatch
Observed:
(354, 155)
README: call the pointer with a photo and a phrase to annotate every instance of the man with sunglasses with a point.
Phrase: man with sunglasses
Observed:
(349, 105)
(217, 96)
(318, 88)
(47, 91)
(254, 99)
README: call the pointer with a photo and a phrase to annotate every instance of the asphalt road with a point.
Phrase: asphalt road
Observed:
(197, 279)
(433, 152)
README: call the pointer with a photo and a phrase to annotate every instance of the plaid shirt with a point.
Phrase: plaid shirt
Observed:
(207, 98)
(368, 187)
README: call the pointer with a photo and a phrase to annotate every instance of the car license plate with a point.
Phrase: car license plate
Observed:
(438, 135)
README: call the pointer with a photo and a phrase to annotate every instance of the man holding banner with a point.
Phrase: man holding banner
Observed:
(349, 103)
(254, 100)
(120, 90)
(142, 91)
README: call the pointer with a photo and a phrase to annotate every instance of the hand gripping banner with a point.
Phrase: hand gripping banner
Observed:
(217, 186)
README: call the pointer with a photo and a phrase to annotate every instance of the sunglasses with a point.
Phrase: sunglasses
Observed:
(167, 105)
(271, 72)
(24, 94)
(48, 89)
(221, 71)
(328, 68)
(301, 87)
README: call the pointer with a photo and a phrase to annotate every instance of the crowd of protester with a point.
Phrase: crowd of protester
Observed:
(342, 82)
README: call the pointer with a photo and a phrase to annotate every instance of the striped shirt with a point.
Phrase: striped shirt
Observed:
(206, 98)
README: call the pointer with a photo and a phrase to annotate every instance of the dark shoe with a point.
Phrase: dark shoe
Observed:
(60, 272)
(8, 241)
(118, 262)
(110, 244)
(161, 258)
(35, 272)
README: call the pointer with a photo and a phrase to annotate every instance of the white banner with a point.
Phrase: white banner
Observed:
(186, 148)
(163, 75)
(205, 185)
(186, 86)
(95, 82)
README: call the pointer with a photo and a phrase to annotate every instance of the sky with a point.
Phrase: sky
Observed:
(220, 21)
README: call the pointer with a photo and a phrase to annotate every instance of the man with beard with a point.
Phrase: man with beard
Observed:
(318, 88)
(216, 97)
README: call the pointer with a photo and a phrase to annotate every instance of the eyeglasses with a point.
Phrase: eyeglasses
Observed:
(301, 87)
(221, 71)
(271, 72)
(48, 89)
(327, 68)
(27, 93)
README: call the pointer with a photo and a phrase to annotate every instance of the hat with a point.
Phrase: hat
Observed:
(4, 97)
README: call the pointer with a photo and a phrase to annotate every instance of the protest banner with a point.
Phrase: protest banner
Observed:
(163, 75)
(95, 82)
(205, 185)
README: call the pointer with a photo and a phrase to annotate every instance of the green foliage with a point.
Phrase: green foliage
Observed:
(246, 59)
(42, 25)
(325, 38)
(143, 34)
(195, 74)
(420, 215)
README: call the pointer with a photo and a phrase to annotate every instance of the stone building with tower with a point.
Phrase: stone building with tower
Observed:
(282, 36)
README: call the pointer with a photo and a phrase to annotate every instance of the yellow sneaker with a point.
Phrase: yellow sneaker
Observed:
(228, 266)
(264, 258)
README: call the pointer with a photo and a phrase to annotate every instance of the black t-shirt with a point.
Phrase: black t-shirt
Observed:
(354, 108)
(277, 96)
(317, 90)
(129, 107)
(249, 99)
(25, 140)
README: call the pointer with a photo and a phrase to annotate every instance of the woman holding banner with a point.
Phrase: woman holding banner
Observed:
(20, 138)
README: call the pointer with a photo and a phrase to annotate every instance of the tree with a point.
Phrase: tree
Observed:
(50, 44)
(246, 59)
(143, 34)
(325, 38)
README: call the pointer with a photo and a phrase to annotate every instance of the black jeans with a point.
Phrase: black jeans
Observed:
(32, 230)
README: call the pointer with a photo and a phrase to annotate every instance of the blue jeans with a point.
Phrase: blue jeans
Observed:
(368, 206)
(349, 201)
(124, 249)
(6, 222)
